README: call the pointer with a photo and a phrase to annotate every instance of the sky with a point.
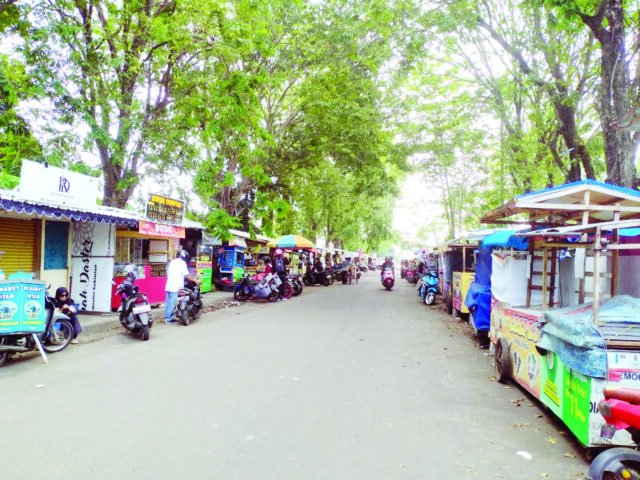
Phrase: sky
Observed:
(417, 207)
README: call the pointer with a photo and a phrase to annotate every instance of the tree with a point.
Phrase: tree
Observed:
(109, 68)
(618, 91)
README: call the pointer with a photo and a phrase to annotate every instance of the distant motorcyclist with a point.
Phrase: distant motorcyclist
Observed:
(388, 263)
(318, 265)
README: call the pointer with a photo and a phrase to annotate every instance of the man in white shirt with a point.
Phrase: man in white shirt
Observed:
(177, 271)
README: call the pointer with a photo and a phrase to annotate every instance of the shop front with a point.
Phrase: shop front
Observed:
(50, 230)
(148, 248)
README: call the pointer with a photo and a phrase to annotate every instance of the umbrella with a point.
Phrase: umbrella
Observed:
(290, 241)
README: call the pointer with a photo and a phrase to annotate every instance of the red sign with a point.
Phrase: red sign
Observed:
(160, 230)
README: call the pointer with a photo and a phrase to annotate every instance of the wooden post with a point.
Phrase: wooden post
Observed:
(596, 275)
(615, 238)
(585, 221)
(545, 256)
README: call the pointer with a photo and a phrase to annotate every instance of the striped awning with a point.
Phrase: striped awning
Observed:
(97, 214)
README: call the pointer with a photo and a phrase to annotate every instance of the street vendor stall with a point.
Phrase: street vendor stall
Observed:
(561, 323)
(458, 270)
(150, 247)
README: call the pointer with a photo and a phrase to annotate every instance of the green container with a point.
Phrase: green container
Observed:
(21, 306)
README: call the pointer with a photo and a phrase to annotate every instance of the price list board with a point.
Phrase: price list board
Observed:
(164, 209)
(159, 270)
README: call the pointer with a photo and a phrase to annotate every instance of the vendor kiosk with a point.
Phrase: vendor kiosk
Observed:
(231, 264)
(562, 324)
(458, 271)
(149, 249)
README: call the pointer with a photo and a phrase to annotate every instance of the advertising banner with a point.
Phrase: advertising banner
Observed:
(160, 230)
(164, 209)
(520, 330)
(461, 282)
(91, 287)
(92, 265)
(42, 182)
(21, 307)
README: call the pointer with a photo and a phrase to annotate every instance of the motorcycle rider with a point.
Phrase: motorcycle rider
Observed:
(177, 272)
(388, 263)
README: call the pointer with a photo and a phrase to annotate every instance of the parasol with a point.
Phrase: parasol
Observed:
(290, 241)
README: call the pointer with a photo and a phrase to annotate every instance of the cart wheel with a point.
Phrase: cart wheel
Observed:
(620, 462)
(502, 360)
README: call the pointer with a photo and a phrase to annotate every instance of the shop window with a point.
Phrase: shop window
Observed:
(56, 245)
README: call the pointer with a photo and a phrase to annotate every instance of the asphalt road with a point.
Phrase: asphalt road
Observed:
(345, 382)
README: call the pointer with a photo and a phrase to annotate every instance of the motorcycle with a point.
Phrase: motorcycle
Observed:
(135, 311)
(621, 410)
(250, 288)
(295, 280)
(316, 278)
(189, 306)
(428, 288)
(55, 337)
(388, 278)
(411, 276)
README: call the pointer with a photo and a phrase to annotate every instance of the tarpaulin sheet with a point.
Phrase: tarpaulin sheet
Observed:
(505, 239)
(571, 333)
(478, 299)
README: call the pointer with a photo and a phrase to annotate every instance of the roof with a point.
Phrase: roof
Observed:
(11, 201)
(247, 236)
(566, 204)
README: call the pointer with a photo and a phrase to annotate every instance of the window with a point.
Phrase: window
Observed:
(56, 245)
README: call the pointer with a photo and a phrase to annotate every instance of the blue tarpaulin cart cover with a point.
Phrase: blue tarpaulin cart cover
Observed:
(581, 344)
(478, 299)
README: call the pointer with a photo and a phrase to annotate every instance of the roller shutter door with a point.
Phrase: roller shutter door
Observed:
(17, 241)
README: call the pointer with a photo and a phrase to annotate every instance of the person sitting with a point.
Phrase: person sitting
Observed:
(318, 265)
(64, 304)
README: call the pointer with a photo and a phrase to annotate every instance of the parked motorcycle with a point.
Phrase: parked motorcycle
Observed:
(428, 288)
(295, 280)
(388, 278)
(57, 335)
(189, 306)
(316, 278)
(135, 311)
(621, 410)
(249, 288)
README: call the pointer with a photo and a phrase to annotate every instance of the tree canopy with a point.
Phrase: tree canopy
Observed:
(304, 116)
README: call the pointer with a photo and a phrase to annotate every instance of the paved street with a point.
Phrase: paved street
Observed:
(345, 382)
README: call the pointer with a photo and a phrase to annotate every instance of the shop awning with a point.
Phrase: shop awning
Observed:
(96, 214)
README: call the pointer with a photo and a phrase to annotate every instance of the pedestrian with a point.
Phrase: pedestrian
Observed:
(64, 304)
(176, 273)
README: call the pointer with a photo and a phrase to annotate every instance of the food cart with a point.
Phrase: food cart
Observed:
(563, 324)
(457, 259)
(231, 263)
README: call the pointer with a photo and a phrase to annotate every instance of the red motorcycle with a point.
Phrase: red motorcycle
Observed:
(621, 410)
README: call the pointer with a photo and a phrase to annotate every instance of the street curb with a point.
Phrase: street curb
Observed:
(93, 323)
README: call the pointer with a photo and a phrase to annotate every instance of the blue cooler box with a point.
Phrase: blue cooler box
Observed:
(21, 306)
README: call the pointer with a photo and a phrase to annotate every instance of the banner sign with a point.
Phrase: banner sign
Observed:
(42, 182)
(164, 209)
(21, 306)
(92, 265)
(160, 230)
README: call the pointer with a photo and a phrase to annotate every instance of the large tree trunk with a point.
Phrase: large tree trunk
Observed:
(613, 99)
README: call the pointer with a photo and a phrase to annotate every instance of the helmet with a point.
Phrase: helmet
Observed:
(278, 251)
(130, 271)
(184, 255)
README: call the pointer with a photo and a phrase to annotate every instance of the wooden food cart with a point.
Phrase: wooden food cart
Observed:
(565, 323)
